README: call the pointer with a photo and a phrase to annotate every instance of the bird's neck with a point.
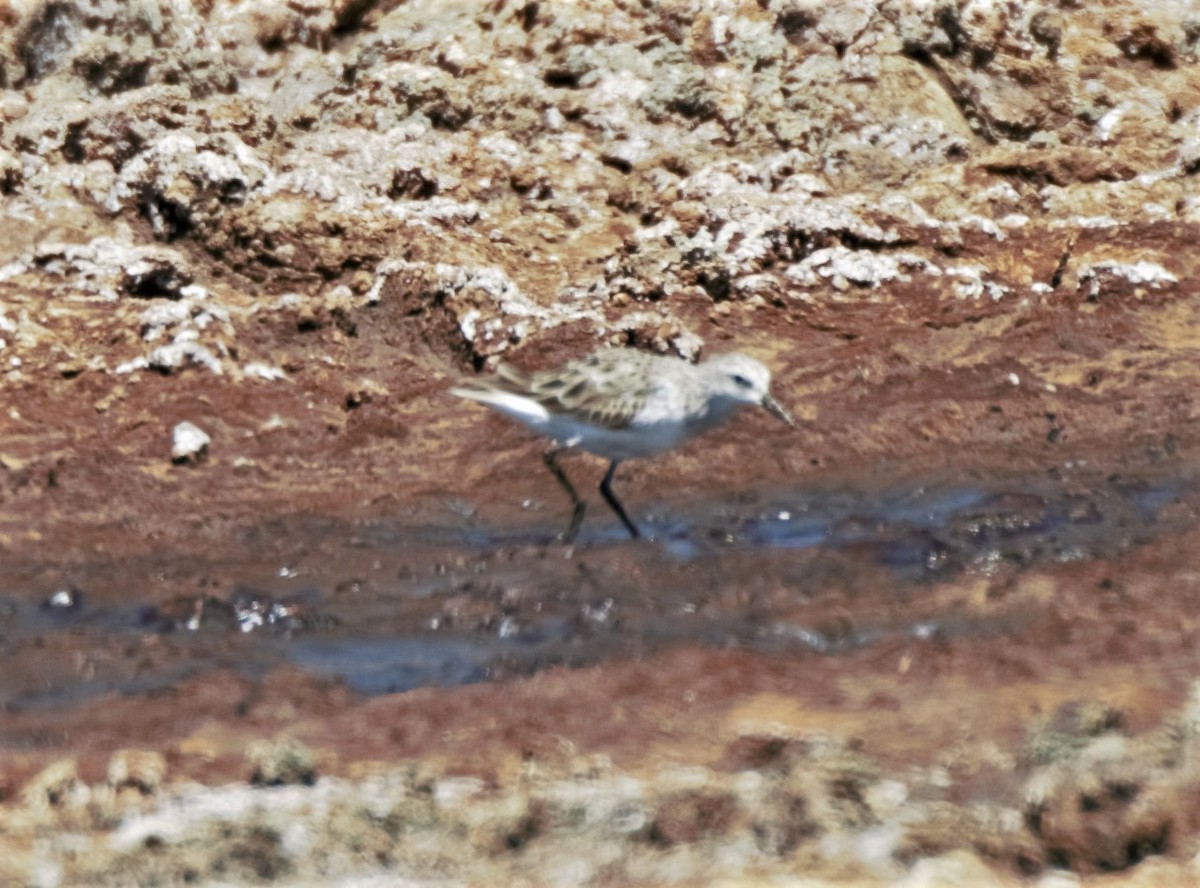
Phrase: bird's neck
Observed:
(717, 411)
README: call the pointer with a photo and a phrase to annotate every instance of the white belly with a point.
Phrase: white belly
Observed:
(630, 443)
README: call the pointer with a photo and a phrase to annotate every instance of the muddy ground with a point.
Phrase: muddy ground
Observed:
(942, 632)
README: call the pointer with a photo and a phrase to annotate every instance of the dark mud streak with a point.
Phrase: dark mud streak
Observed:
(588, 605)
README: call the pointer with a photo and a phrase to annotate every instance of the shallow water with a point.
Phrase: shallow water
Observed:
(388, 607)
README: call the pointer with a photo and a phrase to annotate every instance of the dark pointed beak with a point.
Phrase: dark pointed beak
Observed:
(776, 409)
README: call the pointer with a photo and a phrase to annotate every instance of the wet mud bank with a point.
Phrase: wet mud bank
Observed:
(999, 673)
(387, 607)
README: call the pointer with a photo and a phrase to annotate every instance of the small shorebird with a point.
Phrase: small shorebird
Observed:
(622, 404)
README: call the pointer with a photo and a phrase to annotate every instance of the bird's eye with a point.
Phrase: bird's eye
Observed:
(742, 381)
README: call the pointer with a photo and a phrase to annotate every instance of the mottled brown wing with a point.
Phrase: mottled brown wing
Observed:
(596, 389)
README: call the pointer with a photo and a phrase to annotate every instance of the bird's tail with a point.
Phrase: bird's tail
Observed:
(473, 391)
(506, 380)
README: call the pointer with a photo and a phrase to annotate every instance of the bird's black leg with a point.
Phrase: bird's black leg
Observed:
(550, 458)
(611, 499)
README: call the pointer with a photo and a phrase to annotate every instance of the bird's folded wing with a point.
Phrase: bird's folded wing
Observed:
(584, 390)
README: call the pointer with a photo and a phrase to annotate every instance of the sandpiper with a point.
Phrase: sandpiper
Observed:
(622, 403)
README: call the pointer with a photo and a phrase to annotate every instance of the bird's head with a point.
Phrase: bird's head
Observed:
(742, 379)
